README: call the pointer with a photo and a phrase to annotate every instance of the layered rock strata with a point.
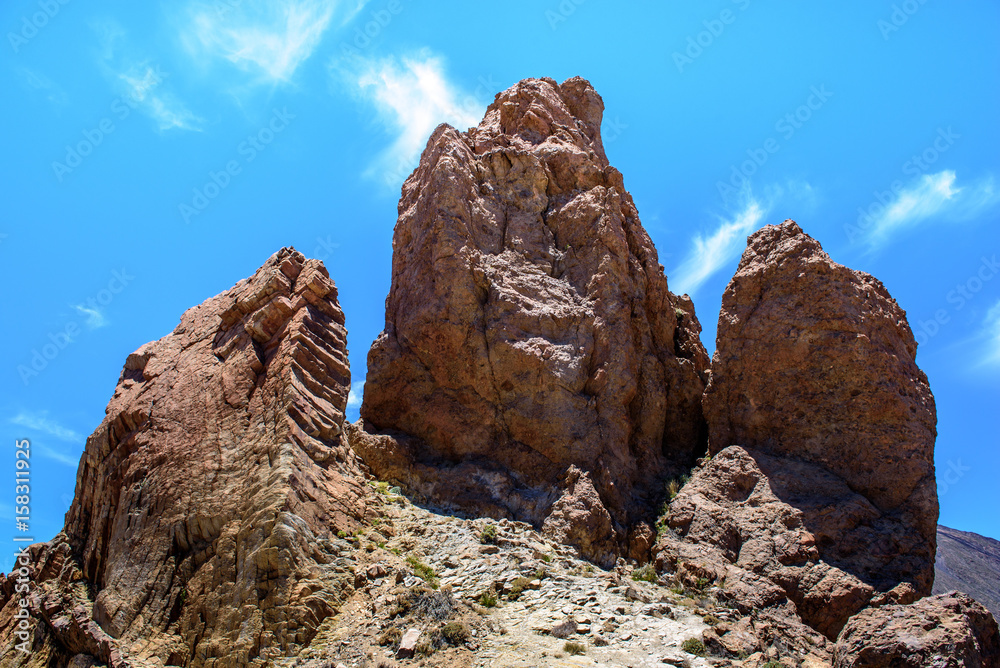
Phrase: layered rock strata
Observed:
(206, 499)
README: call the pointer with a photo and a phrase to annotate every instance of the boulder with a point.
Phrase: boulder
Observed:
(949, 630)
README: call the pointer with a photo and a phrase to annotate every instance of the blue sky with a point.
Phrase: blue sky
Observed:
(157, 152)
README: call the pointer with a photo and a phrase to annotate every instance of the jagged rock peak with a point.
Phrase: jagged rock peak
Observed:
(208, 499)
(534, 363)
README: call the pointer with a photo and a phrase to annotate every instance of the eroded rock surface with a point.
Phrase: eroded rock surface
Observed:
(945, 631)
(728, 525)
(819, 500)
(529, 328)
(206, 499)
(815, 363)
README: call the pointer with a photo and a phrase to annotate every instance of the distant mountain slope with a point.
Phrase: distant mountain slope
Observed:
(969, 563)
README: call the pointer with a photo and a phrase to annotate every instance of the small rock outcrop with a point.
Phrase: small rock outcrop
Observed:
(815, 363)
(729, 525)
(945, 631)
(529, 331)
(202, 530)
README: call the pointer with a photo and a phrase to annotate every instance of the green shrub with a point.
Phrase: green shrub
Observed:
(488, 535)
(391, 636)
(423, 571)
(574, 647)
(693, 646)
(711, 620)
(773, 664)
(455, 633)
(488, 599)
(547, 558)
(645, 573)
(517, 587)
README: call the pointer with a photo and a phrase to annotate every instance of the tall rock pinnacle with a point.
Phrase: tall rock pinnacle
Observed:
(820, 492)
(534, 363)
(207, 499)
(816, 362)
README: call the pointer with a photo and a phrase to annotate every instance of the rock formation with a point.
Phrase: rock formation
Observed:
(815, 363)
(820, 496)
(945, 631)
(533, 360)
(200, 533)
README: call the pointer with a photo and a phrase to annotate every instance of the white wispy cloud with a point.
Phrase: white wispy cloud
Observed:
(356, 394)
(932, 196)
(39, 82)
(267, 38)
(95, 318)
(41, 422)
(140, 83)
(412, 96)
(712, 252)
(57, 456)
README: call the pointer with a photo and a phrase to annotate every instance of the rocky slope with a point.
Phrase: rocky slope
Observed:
(534, 364)
(969, 563)
(206, 499)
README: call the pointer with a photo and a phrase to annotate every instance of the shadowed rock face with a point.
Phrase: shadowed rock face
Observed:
(207, 498)
(529, 328)
(815, 364)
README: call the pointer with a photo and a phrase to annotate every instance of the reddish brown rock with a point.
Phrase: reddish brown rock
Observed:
(529, 327)
(944, 631)
(815, 364)
(729, 526)
(203, 528)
